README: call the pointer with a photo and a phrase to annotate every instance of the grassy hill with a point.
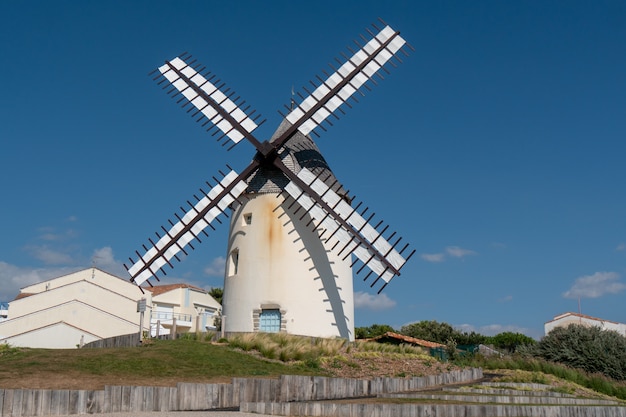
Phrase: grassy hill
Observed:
(160, 363)
(166, 362)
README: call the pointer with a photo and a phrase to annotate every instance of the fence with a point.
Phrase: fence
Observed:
(127, 340)
(195, 397)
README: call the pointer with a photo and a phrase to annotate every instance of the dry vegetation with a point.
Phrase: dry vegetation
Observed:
(164, 363)
(339, 358)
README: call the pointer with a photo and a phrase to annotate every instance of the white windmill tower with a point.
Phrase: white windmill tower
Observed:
(295, 234)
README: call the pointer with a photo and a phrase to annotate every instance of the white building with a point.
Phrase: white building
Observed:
(190, 308)
(91, 304)
(4, 310)
(566, 319)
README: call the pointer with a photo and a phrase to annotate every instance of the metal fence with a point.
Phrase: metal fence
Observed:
(166, 316)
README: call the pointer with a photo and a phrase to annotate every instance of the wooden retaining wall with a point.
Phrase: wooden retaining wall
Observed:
(191, 396)
(428, 410)
(127, 340)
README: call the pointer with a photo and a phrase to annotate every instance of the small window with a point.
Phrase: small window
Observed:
(233, 264)
(247, 219)
(269, 321)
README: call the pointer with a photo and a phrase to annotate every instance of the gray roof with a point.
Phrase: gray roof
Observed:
(299, 152)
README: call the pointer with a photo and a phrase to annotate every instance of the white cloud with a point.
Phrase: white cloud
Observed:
(373, 302)
(216, 268)
(50, 256)
(452, 251)
(50, 234)
(104, 259)
(13, 278)
(596, 285)
(458, 252)
(433, 257)
(621, 247)
(505, 299)
(494, 329)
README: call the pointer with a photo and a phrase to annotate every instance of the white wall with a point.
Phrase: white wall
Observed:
(185, 301)
(282, 263)
(75, 313)
(566, 319)
(91, 304)
(91, 293)
(56, 336)
(95, 275)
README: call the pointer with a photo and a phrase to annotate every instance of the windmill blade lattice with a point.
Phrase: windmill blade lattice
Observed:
(210, 101)
(188, 227)
(354, 234)
(342, 84)
(341, 225)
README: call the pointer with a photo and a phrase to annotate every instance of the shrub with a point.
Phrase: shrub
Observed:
(511, 341)
(588, 348)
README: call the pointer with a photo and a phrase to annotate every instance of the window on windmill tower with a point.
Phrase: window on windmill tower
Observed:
(247, 219)
(269, 321)
(233, 262)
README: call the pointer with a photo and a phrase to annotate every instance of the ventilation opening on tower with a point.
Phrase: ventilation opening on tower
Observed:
(233, 262)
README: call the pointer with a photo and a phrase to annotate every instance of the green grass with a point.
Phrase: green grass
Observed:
(539, 368)
(183, 360)
(190, 358)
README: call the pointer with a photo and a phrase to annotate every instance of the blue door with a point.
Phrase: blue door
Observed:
(269, 321)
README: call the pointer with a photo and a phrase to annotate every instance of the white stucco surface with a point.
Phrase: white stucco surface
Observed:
(281, 263)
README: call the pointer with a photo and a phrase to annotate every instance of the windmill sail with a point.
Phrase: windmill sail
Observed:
(337, 88)
(341, 223)
(211, 102)
(191, 224)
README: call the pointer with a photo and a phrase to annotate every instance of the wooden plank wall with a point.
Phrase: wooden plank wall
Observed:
(426, 410)
(192, 396)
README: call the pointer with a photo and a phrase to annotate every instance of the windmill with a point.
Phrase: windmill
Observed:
(295, 233)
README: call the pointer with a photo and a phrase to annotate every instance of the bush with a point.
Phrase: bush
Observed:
(430, 330)
(537, 367)
(588, 348)
(510, 341)
(372, 331)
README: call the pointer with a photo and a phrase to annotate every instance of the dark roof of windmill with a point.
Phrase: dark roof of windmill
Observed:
(299, 152)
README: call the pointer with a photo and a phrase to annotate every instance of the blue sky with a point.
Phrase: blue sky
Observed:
(496, 149)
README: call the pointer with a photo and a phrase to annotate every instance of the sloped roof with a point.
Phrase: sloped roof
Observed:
(162, 289)
(407, 339)
(583, 316)
(23, 295)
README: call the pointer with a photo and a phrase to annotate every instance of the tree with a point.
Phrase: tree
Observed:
(430, 330)
(217, 294)
(471, 338)
(511, 341)
(372, 331)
